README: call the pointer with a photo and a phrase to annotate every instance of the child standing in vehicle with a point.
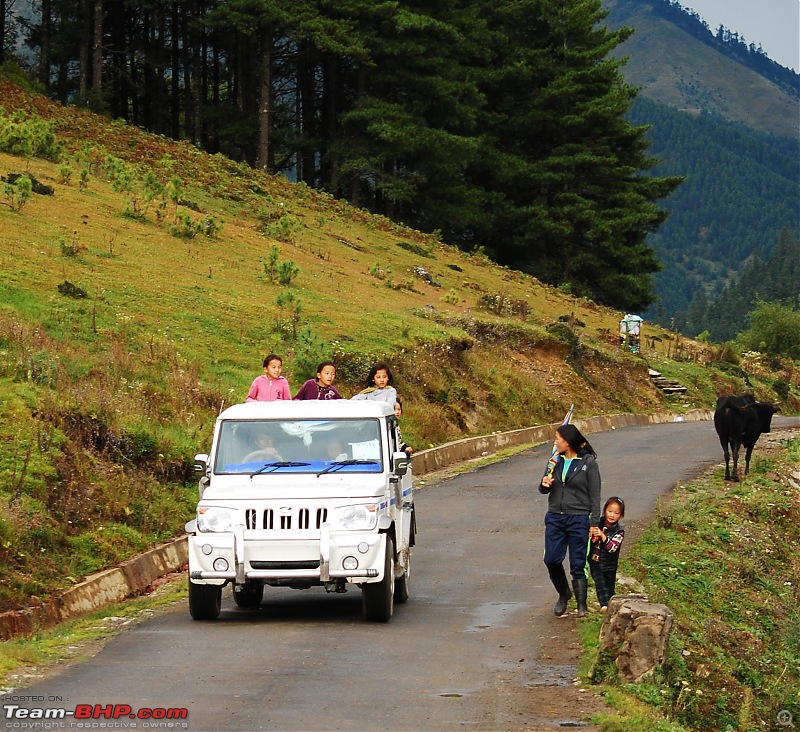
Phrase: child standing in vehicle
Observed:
(322, 387)
(606, 540)
(398, 412)
(379, 385)
(270, 386)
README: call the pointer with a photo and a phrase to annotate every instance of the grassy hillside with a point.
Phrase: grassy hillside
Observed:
(724, 557)
(139, 295)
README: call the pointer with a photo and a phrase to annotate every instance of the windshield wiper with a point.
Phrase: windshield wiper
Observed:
(275, 465)
(341, 463)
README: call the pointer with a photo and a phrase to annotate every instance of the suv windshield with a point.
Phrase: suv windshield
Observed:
(298, 446)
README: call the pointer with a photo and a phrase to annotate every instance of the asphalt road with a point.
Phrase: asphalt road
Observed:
(476, 646)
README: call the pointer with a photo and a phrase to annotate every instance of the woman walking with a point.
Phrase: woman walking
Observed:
(572, 487)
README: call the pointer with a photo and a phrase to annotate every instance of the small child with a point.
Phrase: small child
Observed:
(379, 385)
(398, 412)
(270, 386)
(321, 387)
(606, 540)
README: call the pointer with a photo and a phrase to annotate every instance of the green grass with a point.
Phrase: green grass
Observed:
(725, 559)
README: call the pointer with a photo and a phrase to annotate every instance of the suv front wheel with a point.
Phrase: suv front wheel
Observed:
(205, 601)
(377, 598)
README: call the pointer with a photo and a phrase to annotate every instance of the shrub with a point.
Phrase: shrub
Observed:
(67, 289)
(287, 271)
(781, 388)
(271, 265)
(18, 193)
(185, 227)
(71, 249)
(308, 353)
(27, 135)
(774, 330)
(289, 302)
(284, 229)
(64, 174)
(451, 298)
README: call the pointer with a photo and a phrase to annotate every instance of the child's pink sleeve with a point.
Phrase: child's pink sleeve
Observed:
(252, 395)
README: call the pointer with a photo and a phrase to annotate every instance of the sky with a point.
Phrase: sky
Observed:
(772, 24)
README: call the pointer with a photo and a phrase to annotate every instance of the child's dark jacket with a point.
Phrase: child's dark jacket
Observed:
(606, 553)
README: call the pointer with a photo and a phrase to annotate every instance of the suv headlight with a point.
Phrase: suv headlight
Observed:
(360, 517)
(211, 518)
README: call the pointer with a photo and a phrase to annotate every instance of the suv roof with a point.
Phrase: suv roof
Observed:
(309, 409)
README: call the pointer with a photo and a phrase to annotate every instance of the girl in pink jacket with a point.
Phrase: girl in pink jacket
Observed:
(270, 386)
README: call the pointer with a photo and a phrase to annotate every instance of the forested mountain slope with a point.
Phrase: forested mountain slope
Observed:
(499, 127)
(741, 188)
(773, 279)
(726, 117)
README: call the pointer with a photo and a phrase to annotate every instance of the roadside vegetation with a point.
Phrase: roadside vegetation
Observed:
(724, 558)
(143, 281)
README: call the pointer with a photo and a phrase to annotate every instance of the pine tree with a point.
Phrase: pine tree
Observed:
(404, 140)
(564, 169)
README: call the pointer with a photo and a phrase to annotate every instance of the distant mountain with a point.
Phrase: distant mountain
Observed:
(725, 116)
(676, 59)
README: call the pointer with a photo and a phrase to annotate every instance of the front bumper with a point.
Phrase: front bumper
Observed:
(296, 555)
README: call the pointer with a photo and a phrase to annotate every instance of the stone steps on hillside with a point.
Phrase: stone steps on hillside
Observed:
(668, 386)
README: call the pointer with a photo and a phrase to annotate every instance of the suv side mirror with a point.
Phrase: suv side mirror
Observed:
(201, 464)
(401, 462)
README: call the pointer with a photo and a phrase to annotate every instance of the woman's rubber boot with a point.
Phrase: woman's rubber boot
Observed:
(559, 580)
(581, 587)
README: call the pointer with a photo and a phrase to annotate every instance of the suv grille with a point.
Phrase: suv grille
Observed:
(297, 518)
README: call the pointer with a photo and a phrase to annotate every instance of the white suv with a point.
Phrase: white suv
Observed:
(298, 494)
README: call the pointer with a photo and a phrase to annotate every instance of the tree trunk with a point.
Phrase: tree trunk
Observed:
(44, 52)
(83, 57)
(3, 11)
(97, 50)
(62, 75)
(355, 189)
(329, 162)
(188, 75)
(216, 80)
(307, 124)
(198, 78)
(175, 96)
(264, 107)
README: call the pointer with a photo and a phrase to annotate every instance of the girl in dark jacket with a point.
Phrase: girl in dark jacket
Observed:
(604, 557)
(573, 505)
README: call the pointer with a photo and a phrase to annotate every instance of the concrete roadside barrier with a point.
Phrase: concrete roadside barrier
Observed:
(129, 579)
(453, 453)
(133, 577)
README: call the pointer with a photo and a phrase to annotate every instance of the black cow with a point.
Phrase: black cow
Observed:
(739, 420)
